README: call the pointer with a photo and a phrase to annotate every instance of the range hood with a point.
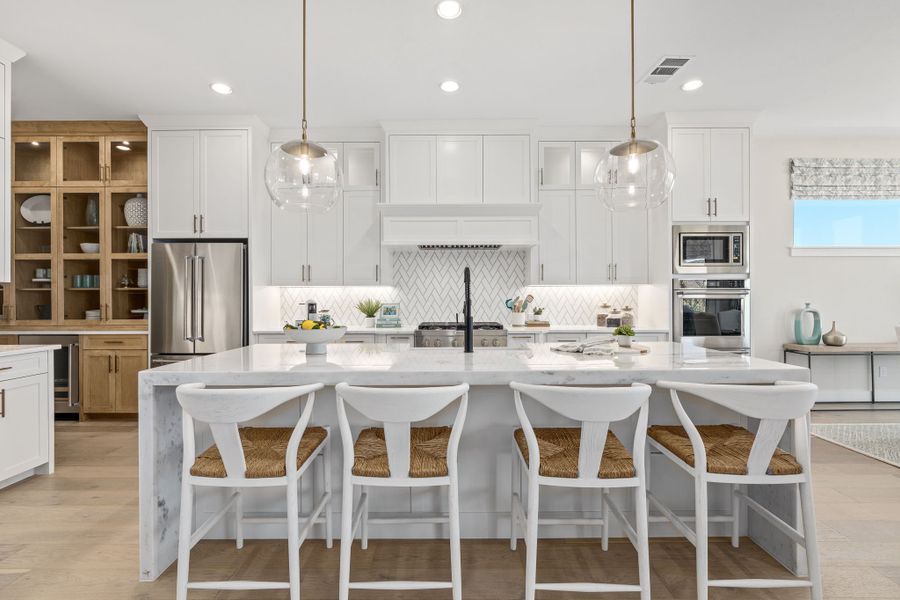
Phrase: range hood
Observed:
(459, 226)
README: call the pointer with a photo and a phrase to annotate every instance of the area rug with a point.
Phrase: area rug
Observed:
(877, 440)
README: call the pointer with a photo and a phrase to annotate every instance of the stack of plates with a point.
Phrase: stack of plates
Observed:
(92, 315)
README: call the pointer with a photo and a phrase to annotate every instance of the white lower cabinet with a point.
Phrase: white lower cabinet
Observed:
(26, 423)
(520, 340)
(557, 238)
(358, 338)
(558, 338)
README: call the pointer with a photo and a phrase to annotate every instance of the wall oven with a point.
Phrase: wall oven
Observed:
(710, 249)
(713, 313)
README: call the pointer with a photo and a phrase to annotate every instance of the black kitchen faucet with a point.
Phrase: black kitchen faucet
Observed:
(467, 311)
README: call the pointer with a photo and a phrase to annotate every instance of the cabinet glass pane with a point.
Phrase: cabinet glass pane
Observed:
(81, 294)
(589, 159)
(557, 166)
(32, 160)
(129, 297)
(81, 161)
(361, 163)
(81, 222)
(32, 235)
(33, 290)
(127, 160)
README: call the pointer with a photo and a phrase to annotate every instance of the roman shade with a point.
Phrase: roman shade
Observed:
(845, 178)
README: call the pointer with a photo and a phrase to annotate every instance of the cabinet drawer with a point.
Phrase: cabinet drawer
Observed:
(271, 338)
(114, 342)
(23, 365)
(358, 338)
(650, 337)
(553, 338)
(520, 340)
(397, 339)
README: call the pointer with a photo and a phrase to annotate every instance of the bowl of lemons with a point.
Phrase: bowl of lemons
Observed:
(315, 334)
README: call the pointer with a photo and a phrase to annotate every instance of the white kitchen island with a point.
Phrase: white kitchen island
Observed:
(484, 459)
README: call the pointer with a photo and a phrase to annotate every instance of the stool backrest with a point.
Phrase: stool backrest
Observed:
(397, 409)
(596, 408)
(774, 406)
(223, 409)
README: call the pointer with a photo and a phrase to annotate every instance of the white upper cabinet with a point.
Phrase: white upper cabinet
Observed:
(412, 169)
(587, 156)
(459, 169)
(557, 238)
(4, 126)
(325, 246)
(593, 239)
(712, 167)
(224, 183)
(199, 183)
(288, 256)
(362, 239)
(507, 160)
(175, 183)
(362, 166)
(556, 165)
(630, 251)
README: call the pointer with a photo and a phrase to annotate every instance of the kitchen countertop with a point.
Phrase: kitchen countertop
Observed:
(509, 329)
(6, 351)
(73, 332)
(377, 364)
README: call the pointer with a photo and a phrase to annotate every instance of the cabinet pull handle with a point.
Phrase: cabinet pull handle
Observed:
(615, 271)
(715, 207)
(113, 342)
(376, 273)
(302, 272)
(376, 177)
(541, 176)
(109, 363)
(2, 404)
(202, 226)
(708, 207)
(542, 271)
(309, 272)
(195, 223)
(5, 368)
(117, 363)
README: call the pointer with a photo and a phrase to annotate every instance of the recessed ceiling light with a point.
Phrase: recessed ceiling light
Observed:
(126, 143)
(449, 86)
(448, 9)
(220, 88)
(35, 143)
(123, 147)
(693, 84)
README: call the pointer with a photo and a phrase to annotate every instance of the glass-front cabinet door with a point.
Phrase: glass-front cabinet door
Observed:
(81, 161)
(33, 160)
(82, 218)
(126, 160)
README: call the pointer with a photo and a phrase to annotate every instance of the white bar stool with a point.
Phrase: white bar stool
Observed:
(733, 455)
(250, 457)
(399, 456)
(590, 456)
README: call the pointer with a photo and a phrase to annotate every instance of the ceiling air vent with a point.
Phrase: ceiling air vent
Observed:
(459, 247)
(665, 68)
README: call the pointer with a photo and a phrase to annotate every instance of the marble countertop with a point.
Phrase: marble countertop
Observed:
(510, 329)
(6, 350)
(378, 364)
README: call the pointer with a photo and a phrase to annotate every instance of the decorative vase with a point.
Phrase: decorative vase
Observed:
(800, 336)
(517, 319)
(624, 341)
(92, 212)
(834, 337)
(369, 322)
(135, 210)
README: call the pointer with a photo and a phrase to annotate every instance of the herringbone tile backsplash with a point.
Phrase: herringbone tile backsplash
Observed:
(429, 287)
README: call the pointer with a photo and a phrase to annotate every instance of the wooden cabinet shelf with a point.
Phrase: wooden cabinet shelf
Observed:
(33, 227)
(129, 256)
(131, 290)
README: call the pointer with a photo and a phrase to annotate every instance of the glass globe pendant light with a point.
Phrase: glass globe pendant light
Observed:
(302, 175)
(636, 174)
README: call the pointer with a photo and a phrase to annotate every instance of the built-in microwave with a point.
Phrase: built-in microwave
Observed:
(710, 249)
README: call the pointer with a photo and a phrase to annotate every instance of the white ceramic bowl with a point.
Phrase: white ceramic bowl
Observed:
(89, 248)
(315, 339)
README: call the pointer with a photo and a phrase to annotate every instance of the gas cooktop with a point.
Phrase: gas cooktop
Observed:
(452, 326)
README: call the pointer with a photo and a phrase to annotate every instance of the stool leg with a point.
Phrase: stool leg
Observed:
(184, 539)
(293, 523)
(346, 537)
(809, 535)
(326, 467)
(531, 538)
(701, 528)
(455, 553)
(604, 513)
(364, 526)
(239, 519)
(643, 549)
(735, 516)
(513, 525)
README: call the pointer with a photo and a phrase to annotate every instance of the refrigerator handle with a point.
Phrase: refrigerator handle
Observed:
(188, 307)
(201, 300)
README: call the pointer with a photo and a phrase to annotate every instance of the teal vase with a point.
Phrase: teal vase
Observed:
(800, 336)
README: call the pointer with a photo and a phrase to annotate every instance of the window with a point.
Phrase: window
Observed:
(845, 206)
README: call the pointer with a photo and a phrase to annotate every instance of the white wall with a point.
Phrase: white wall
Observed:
(861, 293)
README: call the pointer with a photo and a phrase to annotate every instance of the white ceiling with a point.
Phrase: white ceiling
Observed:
(826, 66)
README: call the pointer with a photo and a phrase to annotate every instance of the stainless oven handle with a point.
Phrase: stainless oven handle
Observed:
(713, 294)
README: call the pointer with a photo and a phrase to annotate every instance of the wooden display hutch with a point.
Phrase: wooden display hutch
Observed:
(89, 170)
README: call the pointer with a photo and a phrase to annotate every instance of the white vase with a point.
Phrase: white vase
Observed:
(369, 322)
(135, 210)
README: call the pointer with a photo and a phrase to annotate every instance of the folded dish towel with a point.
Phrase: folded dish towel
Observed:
(593, 346)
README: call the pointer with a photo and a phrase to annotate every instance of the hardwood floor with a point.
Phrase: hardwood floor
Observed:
(73, 536)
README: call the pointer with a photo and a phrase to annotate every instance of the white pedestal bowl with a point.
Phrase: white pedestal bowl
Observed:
(316, 340)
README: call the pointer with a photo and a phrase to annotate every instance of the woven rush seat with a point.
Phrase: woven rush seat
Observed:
(559, 448)
(727, 449)
(264, 450)
(427, 453)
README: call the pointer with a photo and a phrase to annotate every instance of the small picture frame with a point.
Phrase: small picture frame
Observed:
(390, 311)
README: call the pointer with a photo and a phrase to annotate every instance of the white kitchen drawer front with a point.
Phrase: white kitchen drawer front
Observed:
(556, 338)
(24, 424)
(520, 340)
(651, 337)
(24, 365)
(358, 338)
(397, 339)
(271, 338)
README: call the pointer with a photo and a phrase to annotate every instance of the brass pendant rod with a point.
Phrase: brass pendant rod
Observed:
(303, 121)
(633, 120)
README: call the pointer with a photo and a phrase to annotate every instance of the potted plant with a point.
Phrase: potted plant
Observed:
(369, 307)
(623, 335)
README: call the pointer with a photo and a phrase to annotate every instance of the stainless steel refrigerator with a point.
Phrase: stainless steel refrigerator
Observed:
(198, 301)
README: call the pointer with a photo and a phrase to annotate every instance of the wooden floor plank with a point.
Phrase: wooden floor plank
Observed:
(73, 536)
